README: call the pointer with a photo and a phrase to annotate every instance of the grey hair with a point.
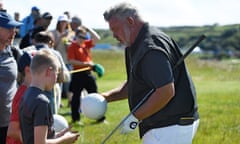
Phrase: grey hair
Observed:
(121, 11)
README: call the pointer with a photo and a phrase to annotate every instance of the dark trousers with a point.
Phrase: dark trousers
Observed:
(3, 134)
(80, 81)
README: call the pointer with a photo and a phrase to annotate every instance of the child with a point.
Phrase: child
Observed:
(79, 55)
(36, 118)
(14, 132)
(42, 40)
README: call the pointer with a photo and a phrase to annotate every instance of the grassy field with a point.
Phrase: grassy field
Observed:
(217, 84)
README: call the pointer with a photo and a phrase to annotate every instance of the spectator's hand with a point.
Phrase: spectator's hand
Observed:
(61, 133)
(129, 125)
(99, 69)
(70, 137)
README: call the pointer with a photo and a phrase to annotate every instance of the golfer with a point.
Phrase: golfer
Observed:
(170, 114)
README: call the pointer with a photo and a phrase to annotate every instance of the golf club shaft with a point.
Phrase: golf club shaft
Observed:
(152, 90)
(189, 51)
(80, 70)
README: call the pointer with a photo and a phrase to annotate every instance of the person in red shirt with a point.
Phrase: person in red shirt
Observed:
(14, 133)
(79, 56)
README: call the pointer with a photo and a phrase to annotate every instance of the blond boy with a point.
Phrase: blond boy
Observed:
(36, 118)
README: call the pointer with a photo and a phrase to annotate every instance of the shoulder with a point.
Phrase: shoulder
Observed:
(73, 45)
(89, 43)
(55, 52)
(43, 98)
(155, 55)
(16, 52)
(30, 49)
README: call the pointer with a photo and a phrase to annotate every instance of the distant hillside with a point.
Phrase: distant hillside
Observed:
(219, 38)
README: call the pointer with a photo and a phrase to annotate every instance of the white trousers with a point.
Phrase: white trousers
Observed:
(175, 134)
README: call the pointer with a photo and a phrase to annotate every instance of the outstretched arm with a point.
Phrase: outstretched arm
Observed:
(40, 137)
(94, 35)
(119, 93)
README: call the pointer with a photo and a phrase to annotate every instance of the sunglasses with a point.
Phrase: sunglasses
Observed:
(81, 36)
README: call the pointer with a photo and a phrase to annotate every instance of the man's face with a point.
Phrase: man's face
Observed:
(46, 22)
(6, 36)
(120, 30)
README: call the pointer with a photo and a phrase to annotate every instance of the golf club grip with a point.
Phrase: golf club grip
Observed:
(189, 51)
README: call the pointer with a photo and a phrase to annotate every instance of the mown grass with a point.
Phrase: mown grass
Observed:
(217, 84)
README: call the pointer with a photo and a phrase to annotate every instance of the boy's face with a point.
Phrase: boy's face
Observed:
(52, 74)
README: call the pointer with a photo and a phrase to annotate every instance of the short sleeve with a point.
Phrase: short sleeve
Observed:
(156, 69)
(42, 114)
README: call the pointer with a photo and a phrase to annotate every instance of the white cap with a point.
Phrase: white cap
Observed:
(63, 18)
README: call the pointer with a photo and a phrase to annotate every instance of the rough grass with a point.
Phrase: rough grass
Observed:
(217, 84)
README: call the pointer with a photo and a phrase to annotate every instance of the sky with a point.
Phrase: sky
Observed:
(162, 13)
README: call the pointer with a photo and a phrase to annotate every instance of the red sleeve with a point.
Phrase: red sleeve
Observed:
(16, 101)
(89, 43)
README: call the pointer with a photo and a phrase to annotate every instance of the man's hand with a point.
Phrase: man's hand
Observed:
(129, 125)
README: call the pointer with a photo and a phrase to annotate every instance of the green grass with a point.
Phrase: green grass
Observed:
(217, 84)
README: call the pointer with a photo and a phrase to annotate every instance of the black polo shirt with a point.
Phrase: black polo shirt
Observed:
(149, 64)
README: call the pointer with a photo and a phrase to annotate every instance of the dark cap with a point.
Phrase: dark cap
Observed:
(6, 21)
(24, 60)
(43, 37)
(34, 8)
(81, 33)
(47, 15)
(76, 20)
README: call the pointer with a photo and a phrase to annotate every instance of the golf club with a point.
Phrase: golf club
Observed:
(80, 70)
(152, 90)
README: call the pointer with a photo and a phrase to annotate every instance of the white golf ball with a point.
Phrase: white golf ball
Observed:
(59, 123)
(93, 106)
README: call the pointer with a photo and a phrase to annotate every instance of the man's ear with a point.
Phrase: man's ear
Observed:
(130, 20)
(48, 72)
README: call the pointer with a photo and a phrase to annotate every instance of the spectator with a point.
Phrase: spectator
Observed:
(46, 20)
(17, 18)
(36, 118)
(40, 24)
(43, 40)
(75, 23)
(62, 37)
(14, 132)
(79, 56)
(28, 21)
(8, 71)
